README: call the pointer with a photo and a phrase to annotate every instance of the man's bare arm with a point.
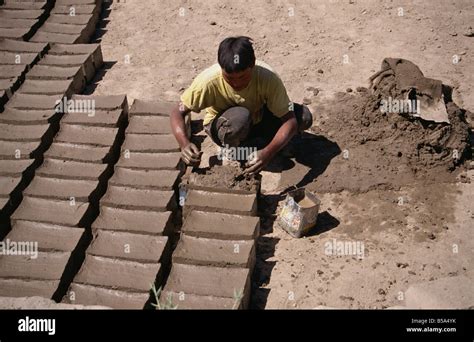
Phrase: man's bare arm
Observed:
(189, 152)
(287, 130)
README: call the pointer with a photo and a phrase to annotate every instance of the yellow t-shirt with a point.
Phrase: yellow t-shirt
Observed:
(210, 91)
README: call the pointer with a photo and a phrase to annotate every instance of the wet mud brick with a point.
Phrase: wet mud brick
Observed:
(194, 302)
(147, 199)
(220, 202)
(79, 134)
(128, 275)
(131, 246)
(18, 58)
(47, 72)
(56, 168)
(34, 102)
(27, 5)
(213, 252)
(109, 102)
(210, 281)
(51, 211)
(134, 221)
(49, 237)
(83, 60)
(63, 189)
(151, 161)
(93, 50)
(25, 132)
(145, 179)
(95, 295)
(154, 143)
(47, 266)
(143, 124)
(15, 167)
(20, 149)
(102, 118)
(20, 47)
(144, 114)
(17, 23)
(28, 288)
(79, 152)
(48, 87)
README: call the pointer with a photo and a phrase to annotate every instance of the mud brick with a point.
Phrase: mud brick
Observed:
(28, 117)
(220, 202)
(78, 152)
(119, 274)
(105, 102)
(22, 58)
(58, 38)
(130, 246)
(93, 295)
(101, 136)
(16, 46)
(140, 107)
(158, 179)
(152, 161)
(28, 288)
(78, 9)
(47, 265)
(113, 118)
(129, 198)
(93, 50)
(23, 132)
(51, 211)
(85, 61)
(10, 71)
(46, 72)
(56, 188)
(214, 252)
(78, 2)
(62, 87)
(210, 281)
(49, 237)
(8, 185)
(149, 125)
(21, 14)
(26, 5)
(78, 19)
(183, 301)
(29, 101)
(71, 169)
(61, 28)
(15, 33)
(26, 150)
(135, 221)
(15, 167)
(150, 143)
(17, 23)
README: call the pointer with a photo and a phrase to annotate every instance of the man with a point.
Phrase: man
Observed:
(244, 99)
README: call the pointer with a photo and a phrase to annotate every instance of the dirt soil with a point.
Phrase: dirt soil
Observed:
(408, 227)
(228, 177)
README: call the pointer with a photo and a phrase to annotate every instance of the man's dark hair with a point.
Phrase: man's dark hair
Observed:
(236, 54)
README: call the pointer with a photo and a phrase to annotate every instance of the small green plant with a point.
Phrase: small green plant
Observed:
(238, 295)
(167, 305)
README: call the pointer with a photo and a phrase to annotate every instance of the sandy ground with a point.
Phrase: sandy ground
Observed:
(155, 48)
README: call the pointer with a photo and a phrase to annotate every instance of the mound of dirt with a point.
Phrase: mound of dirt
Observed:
(381, 149)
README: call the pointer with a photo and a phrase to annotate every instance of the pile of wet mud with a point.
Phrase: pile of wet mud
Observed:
(389, 149)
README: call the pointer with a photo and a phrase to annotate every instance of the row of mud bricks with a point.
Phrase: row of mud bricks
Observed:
(50, 21)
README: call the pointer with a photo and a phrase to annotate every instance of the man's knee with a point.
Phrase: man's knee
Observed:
(233, 126)
(304, 117)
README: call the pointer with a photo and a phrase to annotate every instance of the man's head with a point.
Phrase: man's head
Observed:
(236, 58)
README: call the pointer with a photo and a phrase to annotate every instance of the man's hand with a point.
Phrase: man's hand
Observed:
(190, 154)
(256, 162)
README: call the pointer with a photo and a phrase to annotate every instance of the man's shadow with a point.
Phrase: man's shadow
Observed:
(311, 150)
